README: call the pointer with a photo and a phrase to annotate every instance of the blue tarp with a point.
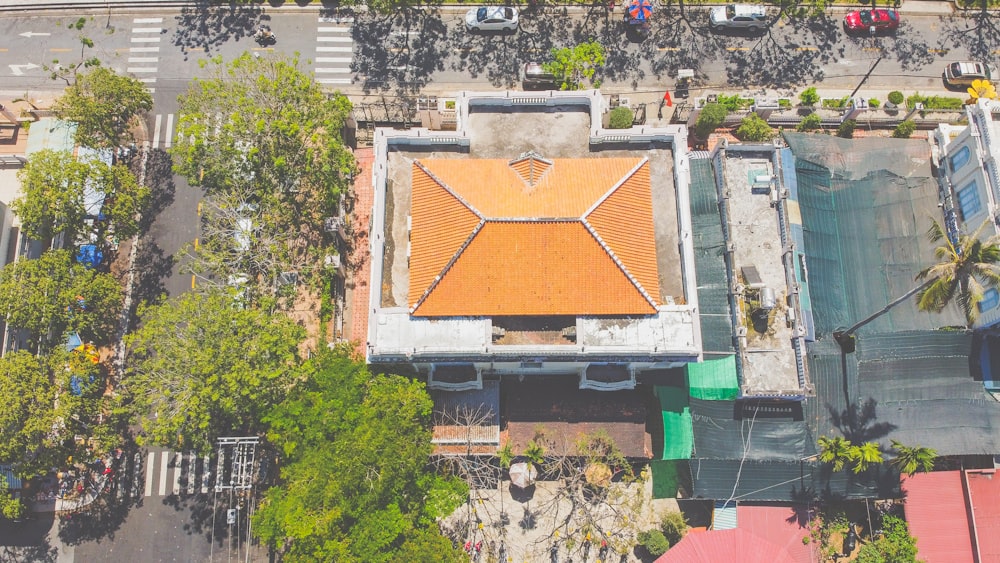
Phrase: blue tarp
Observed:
(89, 256)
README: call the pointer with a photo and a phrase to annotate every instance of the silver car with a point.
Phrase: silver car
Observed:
(962, 74)
(738, 16)
(491, 18)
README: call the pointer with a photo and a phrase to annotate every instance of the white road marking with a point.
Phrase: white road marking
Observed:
(170, 137)
(206, 473)
(192, 461)
(327, 19)
(335, 39)
(149, 473)
(147, 20)
(332, 60)
(322, 49)
(144, 50)
(334, 29)
(333, 80)
(141, 69)
(335, 70)
(147, 30)
(164, 461)
(178, 460)
(143, 59)
(147, 80)
(145, 40)
(156, 130)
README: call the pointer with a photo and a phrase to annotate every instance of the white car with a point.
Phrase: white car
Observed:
(738, 16)
(491, 18)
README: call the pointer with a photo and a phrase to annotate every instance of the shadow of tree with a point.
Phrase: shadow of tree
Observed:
(858, 422)
(975, 30)
(27, 540)
(794, 57)
(399, 50)
(97, 521)
(204, 25)
(152, 267)
(160, 180)
(683, 42)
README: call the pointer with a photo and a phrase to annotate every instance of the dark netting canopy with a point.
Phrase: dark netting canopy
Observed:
(710, 263)
(866, 205)
(730, 430)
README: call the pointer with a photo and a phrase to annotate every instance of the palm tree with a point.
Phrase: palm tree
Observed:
(535, 453)
(835, 451)
(864, 456)
(910, 460)
(963, 272)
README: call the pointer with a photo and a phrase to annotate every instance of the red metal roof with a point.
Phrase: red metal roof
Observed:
(726, 545)
(935, 511)
(784, 526)
(984, 489)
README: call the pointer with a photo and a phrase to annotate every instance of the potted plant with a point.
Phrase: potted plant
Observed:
(893, 101)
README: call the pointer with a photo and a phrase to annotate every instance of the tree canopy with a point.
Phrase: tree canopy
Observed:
(54, 294)
(26, 413)
(104, 105)
(963, 272)
(355, 478)
(205, 367)
(577, 66)
(260, 130)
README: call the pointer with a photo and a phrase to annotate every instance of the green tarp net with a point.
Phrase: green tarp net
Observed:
(713, 380)
(678, 435)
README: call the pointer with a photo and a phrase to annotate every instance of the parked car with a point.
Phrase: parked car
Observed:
(873, 22)
(738, 16)
(535, 78)
(491, 18)
(962, 74)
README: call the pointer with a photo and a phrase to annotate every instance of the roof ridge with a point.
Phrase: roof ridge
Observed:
(621, 182)
(617, 261)
(454, 258)
(448, 189)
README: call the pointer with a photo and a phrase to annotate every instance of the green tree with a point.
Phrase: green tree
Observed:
(835, 451)
(864, 456)
(53, 190)
(846, 129)
(755, 129)
(911, 459)
(904, 129)
(709, 119)
(963, 272)
(620, 118)
(104, 106)
(896, 97)
(27, 412)
(896, 545)
(262, 130)
(535, 452)
(576, 66)
(354, 474)
(53, 294)
(653, 542)
(809, 96)
(68, 72)
(10, 507)
(810, 122)
(205, 368)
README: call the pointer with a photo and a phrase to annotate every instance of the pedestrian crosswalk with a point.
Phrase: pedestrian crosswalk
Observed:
(163, 131)
(164, 473)
(334, 50)
(143, 53)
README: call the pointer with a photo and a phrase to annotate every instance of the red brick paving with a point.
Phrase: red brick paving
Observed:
(359, 260)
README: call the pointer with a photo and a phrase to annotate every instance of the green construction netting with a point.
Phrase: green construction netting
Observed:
(713, 380)
(669, 477)
(709, 260)
(678, 434)
(866, 205)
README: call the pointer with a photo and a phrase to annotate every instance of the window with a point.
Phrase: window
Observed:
(968, 200)
(959, 159)
(991, 298)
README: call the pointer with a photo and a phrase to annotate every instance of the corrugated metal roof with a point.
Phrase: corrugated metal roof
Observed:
(723, 546)
(935, 511)
(784, 526)
(724, 515)
(984, 489)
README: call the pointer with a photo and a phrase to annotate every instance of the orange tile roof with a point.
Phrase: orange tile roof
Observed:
(532, 237)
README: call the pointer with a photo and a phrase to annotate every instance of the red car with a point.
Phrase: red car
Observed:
(874, 21)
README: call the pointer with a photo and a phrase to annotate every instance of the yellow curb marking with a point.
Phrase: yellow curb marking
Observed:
(60, 50)
(807, 49)
(668, 48)
(937, 50)
(192, 281)
(737, 48)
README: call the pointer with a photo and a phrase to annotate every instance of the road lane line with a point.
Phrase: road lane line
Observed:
(206, 472)
(164, 462)
(143, 59)
(334, 49)
(334, 30)
(147, 20)
(737, 48)
(147, 30)
(141, 69)
(192, 462)
(332, 60)
(668, 48)
(169, 139)
(145, 40)
(807, 49)
(60, 50)
(149, 474)
(178, 463)
(156, 130)
(336, 70)
(333, 38)
(328, 19)
(333, 80)
(146, 80)
(143, 49)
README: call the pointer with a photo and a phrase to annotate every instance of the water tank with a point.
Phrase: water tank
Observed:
(767, 300)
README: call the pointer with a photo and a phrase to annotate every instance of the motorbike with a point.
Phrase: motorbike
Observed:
(264, 36)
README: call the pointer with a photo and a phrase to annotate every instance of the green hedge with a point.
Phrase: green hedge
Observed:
(935, 102)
